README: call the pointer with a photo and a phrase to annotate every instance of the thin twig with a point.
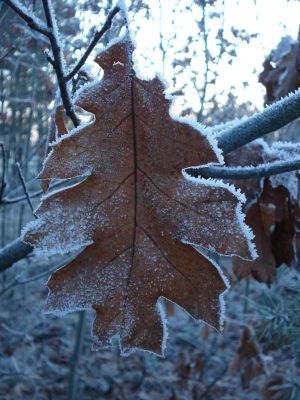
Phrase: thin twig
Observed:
(58, 62)
(76, 355)
(13, 200)
(257, 172)
(33, 22)
(9, 51)
(13, 252)
(210, 386)
(26, 160)
(205, 36)
(16, 281)
(25, 188)
(51, 31)
(98, 35)
(161, 41)
(3, 183)
(269, 120)
(13, 331)
(246, 302)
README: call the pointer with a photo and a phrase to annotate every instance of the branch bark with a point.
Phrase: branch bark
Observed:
(25, 188)
(257, 172)
(33, 22)
(13, 252)
(58, 62)
(13, 200)
(205, 37)
(98, 35)
(3, 183)
(269, 120)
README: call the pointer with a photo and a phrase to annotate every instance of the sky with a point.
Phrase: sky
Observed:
(269, 19)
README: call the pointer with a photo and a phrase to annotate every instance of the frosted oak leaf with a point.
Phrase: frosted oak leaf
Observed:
(136, 212)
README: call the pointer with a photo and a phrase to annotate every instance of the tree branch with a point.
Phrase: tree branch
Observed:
(49, 58)
(13, 200)
(98, 35)
(25, 188)
(19, 281)
(205, 37)
(269, 120)
(8, 52)
(58, 63)
(257, 172)
(13, 252)
(51, 31)
(3, 183)
(33, 22)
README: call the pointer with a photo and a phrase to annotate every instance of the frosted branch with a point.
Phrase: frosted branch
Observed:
(270, 119)
(14, 200)
(22, 180)
(257, 172)
(32, 21)
(98, 35)
(18, 280)
(3, 183)
(7, 53)
(202, 27)
(51, 31)
(58, 62)
(13, 252)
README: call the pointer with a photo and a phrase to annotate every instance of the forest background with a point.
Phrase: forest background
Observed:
(212, 54)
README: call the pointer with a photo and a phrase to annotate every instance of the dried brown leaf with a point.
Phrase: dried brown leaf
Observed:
(134, 210)
(281, 74)
(247, 359)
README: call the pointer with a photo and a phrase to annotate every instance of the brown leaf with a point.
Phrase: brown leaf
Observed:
(60, 121)
(282, 231)
(263, 269)
(270, 209)
(269, 390)
(281, 73)
(134, 210)
(272, 220)
(248, 359)
(169, 308)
